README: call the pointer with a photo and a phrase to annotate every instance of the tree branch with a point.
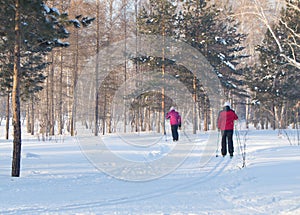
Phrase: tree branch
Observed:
(291, 61)
(290, 29)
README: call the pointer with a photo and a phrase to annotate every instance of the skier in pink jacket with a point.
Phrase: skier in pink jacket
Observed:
(175, 122)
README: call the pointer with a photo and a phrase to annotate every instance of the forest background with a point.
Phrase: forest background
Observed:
(46, 46)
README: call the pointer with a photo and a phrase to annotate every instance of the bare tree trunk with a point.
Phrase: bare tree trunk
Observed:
(109, 122)
(104, 114)
(60, 102)
(247, 113)
(7, 116)
(32, 116)
(16, 162)
(158, 122)
(96, 109)
(194, 106)
(148, 113)
(45, 127)
(274, 117)
(261, 118)
(205, 122)
(28, 126)
(51, 105)
(97, 72)
(75, 78)
(125, 65)
(278, 117)
(213, 119)
(163, 120)
(163, 110)
(283, 117)
(199, 117)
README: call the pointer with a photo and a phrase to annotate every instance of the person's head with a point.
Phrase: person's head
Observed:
(226, 106)
(172, 108)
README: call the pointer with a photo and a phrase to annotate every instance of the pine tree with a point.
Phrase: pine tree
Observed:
(158, 19)
(40, 33)
(35, 31)
(205, 28)
(217, 39)
(275, 81)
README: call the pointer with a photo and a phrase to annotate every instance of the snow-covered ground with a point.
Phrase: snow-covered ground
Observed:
(80, 176)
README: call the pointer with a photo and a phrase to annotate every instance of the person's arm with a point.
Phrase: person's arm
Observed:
(168, 115)
(179, 121)
(235, 116)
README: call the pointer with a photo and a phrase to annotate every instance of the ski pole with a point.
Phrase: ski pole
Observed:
(166, 136)
(240, 146)
(217, 144)
(165, 133)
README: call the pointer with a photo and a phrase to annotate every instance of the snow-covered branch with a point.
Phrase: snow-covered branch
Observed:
(290, 29)
(291, 61)
(263, 18)
(294, 7)
(259, 12)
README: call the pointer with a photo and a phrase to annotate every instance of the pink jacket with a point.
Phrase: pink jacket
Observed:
(175, 118)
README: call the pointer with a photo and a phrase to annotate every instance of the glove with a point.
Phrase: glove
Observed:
(179, 126)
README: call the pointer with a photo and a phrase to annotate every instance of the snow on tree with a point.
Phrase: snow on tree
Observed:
(275, 82)
(218, 39)
(26, 40)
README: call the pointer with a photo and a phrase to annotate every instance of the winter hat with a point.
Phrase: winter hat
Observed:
(172, 108)
(226, 104)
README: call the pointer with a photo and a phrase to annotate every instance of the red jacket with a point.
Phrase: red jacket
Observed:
(175, 118)
(226, 120)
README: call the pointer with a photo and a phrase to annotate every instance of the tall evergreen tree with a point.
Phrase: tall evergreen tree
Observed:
(275, 81)
(32, 30)
(158, 19)
(217, 39)
(40, 33)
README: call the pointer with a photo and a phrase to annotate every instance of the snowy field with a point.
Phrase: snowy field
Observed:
(79, 176)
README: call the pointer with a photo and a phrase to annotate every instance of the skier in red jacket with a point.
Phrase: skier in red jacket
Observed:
(175, 121)
(225, 124)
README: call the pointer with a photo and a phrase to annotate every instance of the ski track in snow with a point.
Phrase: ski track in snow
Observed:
(165, 191)
(130, 199)
(216, 169)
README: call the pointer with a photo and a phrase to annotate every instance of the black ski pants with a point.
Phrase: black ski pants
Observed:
(174, 129)
(227, 139)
